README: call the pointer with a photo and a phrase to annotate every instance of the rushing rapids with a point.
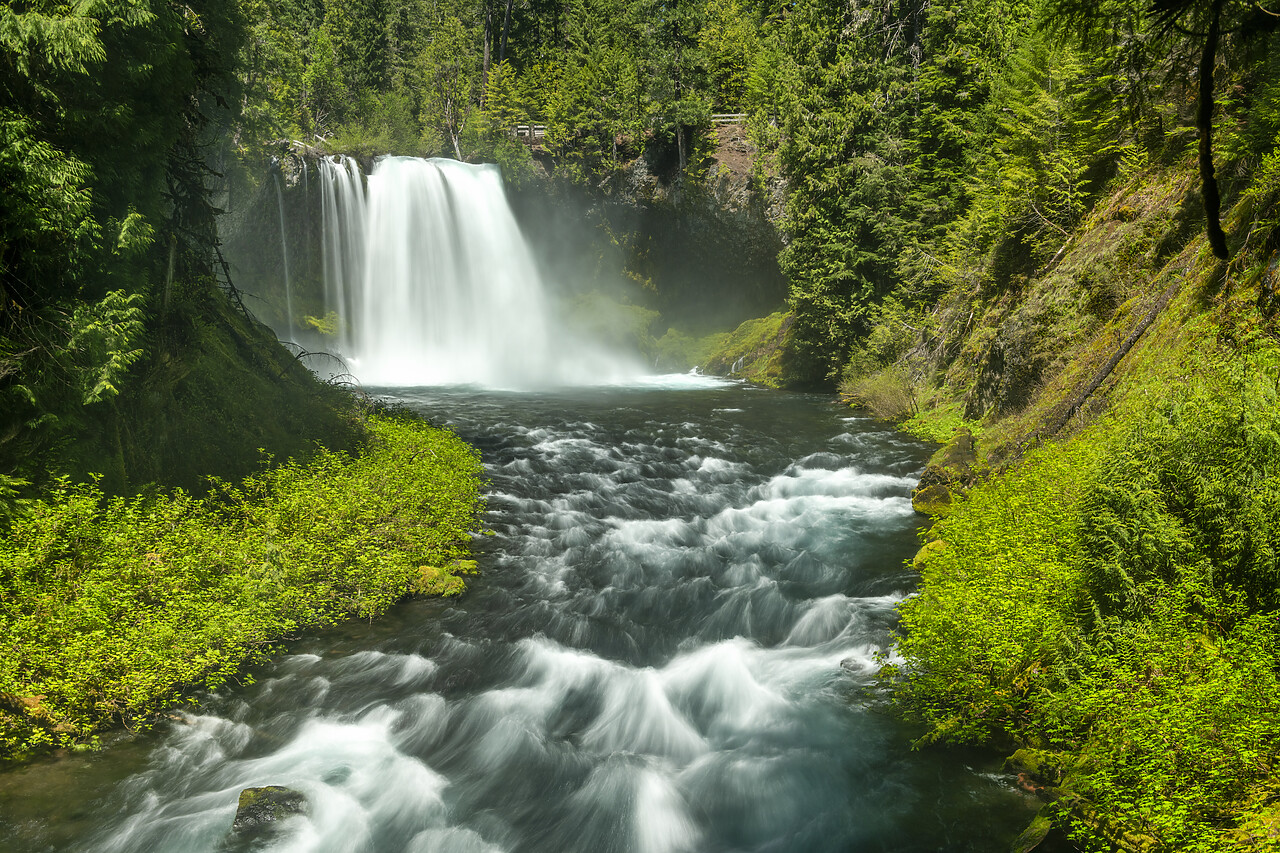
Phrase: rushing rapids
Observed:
(433, 283)
(671, 646)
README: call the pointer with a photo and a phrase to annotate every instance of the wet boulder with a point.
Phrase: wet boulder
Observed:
(261, 809)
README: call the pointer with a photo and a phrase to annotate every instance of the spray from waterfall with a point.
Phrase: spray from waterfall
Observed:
(433, 283)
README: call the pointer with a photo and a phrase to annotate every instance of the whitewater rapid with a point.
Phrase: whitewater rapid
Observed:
(685, 595)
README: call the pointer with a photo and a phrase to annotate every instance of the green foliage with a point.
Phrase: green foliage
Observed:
(609, 79)
(998, 593)
(1055, 127)
(81, 361)
(1192, 496)
(1114, 599)
(890, 393)
(837, 152)
(447, 70)
(596, 106)
(1182, 715)
(328, 325)
(939, 424)
(729, 39)
(106, 106)
(103, 343)
(116, 607)
(47, 224)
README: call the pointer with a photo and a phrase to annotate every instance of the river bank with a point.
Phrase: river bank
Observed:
(1098, 586)
(119, 607)
(672, 646)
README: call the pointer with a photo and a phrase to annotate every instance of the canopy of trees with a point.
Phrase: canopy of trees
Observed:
(916, 137)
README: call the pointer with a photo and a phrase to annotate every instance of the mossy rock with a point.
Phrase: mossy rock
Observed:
(927, 552)
(1031, 837)
(951, 471)
(260, 809)
(934, 499)
(1046, 767)
(959, 454)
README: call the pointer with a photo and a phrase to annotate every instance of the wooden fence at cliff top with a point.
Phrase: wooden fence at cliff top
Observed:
(531, 133)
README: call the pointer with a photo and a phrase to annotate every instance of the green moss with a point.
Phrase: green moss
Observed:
(756, 351)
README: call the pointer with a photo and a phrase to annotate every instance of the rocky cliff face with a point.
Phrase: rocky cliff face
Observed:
(702, 251)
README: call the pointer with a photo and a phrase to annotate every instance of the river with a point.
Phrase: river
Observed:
(672, 646)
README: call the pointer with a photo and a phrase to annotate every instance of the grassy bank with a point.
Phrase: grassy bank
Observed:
(115, 607)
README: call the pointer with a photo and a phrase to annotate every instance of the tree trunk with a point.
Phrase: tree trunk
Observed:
(488, 37)
(506, 27)
(1204, 124)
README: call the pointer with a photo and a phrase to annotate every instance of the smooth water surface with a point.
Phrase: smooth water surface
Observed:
(672, 647)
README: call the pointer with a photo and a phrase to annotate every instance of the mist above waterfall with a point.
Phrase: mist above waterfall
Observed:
(433, 283)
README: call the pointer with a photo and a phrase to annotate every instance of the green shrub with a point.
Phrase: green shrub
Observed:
(1176, 718)
(1193, 495)
(1113, 600)
(890, 393)
(997, 596)
(113, 608)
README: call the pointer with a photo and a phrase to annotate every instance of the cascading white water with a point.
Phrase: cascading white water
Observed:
(435, 285)
(284, 254)
(342, 205)
(672, 647)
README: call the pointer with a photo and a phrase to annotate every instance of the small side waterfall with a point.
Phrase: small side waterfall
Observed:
(342, 204)
(434, 283)
(284, 254)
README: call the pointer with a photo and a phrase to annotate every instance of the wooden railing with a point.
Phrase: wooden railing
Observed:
(531, 133)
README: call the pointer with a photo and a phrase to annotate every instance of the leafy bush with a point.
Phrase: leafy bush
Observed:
(1113, 600)
(1177, 720)
(890, 393)
(113, 608)
(997, 595)
(1192, 495)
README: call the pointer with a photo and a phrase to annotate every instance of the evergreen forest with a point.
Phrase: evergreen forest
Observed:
(1043, 234)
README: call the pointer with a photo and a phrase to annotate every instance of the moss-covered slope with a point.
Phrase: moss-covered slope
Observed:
(1106, 599)
(217, 395)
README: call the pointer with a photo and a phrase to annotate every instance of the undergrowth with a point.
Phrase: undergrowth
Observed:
(1112, 602)
(939, 424)
(115, 607)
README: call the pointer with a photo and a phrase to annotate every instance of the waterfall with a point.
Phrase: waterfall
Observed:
(342, 205)
(434, 283)
(284, 254)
